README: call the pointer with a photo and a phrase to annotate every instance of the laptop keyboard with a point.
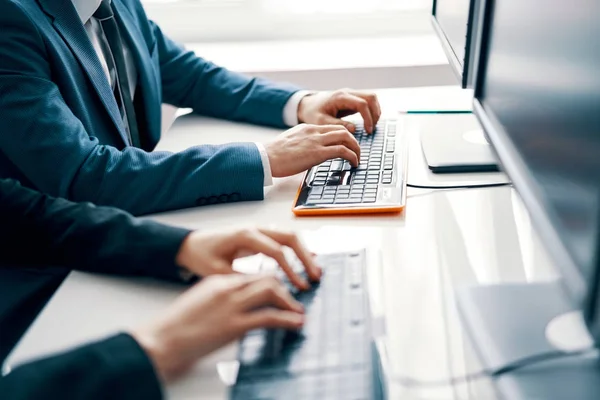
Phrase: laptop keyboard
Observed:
(337, 182)
(332, 357)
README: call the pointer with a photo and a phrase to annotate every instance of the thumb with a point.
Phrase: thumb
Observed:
(329, 120)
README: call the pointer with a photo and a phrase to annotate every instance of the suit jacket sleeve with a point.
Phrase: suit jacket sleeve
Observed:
(190, 81)
(43, 140)
(40, 230)
(115, 368)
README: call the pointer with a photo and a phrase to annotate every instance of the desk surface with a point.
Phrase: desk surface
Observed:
(444, 240)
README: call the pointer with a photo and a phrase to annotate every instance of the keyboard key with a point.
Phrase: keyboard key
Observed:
(318, 182)
(347, 201)
(313, 198)
(336, 166)
(386, 181)
(369, 199)
(316, 191)
(334, 180)
(322, 202)
(353, 201)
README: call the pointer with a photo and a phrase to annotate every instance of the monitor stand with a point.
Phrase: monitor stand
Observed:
(510, 322)
(455, 143)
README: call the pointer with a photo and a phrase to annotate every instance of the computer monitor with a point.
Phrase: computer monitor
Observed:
(537, 96)
(458, 144)
(456, 24)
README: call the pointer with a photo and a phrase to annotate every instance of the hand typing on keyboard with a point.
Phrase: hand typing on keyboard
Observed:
(329, 107)
(304, 146)
(213, 313)
(213, 253)
(330, 356)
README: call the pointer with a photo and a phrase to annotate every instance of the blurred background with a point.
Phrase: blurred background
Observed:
(316, 44)
(233, 20)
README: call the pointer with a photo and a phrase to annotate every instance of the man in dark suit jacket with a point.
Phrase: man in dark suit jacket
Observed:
(81, 86)
(39, 230)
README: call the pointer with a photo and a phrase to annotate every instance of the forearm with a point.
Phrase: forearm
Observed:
(143, 183)
(38, 229)
(115, 368)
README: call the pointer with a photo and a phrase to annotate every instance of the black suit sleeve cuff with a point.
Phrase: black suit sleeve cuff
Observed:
(158, 250)
(115, 368)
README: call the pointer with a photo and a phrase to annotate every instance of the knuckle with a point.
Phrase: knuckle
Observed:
(321, 119)
(245, 233)
(278, 252)
(272, 289)
(269, 317)
(272, 281)
(291, 237)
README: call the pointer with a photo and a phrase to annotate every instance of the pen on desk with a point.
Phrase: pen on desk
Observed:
(437, 112)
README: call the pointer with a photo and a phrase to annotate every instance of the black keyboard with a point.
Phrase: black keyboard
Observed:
(332, 357)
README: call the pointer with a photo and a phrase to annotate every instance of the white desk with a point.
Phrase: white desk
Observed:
(445, 239)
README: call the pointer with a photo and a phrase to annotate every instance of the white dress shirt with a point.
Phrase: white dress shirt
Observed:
(86, 9)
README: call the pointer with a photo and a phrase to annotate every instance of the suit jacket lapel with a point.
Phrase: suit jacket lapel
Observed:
(149, 80)
(67, 23)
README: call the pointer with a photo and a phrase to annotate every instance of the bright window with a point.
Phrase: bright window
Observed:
(232, 20)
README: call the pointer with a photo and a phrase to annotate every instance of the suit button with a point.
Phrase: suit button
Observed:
(213, 200)
(201, 201)
(235, 197)
(223, 198)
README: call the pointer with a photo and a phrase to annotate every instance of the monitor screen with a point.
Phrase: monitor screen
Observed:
(454, 23)
(537, 96)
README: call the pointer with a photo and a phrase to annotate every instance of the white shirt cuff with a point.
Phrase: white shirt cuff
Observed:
(290, 111)
(264, 157)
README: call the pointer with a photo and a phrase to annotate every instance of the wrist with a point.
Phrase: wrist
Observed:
(158, 348)
(183, 256)
(302, 105)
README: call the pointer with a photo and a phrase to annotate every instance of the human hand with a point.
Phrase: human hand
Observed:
(329, 107)
(213, 313)
(213, 253)
(305, 146)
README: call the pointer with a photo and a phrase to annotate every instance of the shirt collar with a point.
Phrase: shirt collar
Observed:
(86, 8)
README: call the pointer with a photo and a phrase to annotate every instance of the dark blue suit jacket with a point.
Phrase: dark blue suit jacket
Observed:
(77, 236)
(60, 129)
